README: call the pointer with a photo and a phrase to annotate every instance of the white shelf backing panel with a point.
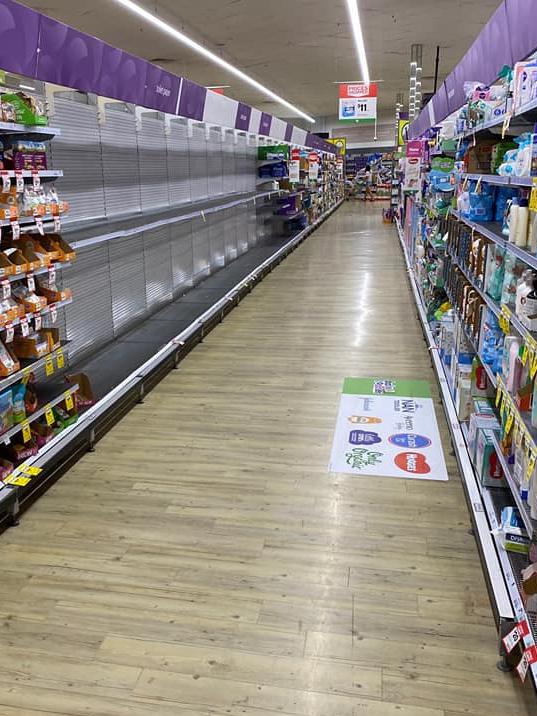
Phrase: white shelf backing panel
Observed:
(201, 248)
(153, 163)
(229, 164)
(230, 233)
(89, 322)
(215, 163)
(198, 163)
(251, 225)
(120, 161)
(77, 152)
(126, 280)
(216, 242)
(250, 165)
(178, 162)
(241, 222)
(182, 257)
(158, 267)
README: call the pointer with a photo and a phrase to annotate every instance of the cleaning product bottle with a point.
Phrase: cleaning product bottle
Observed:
(534, 406)
(521, 229)
(523, 289)
(529, 302)
(514, 373)
(513, 218)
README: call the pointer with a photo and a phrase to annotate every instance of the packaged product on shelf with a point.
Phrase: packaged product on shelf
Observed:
(495, 272)
(6, 468)
(17, 260)
(6, 411)
(8, 363)
(55, 243)
(64, 418)
(26, 156)
(479, 421)
(35, 345)
(29, 300)
(9, 202)
(25, 108)
(42, 432)
(10, 309)
(481, 386)
(513, 535)
(514, 272)
(50, 290)
(528, 305)
(529, 587)
(32, 243)
(463, 398)
(19, 408)
(18, 452)
(84, 396)
(487, 464)
(27, 248)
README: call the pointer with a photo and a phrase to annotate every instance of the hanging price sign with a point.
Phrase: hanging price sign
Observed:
(528, 658)
(533, 366)
(511, 639)
(49, 415)
(25, 328)
(19, 182)
(30, 470)
(524, 354)
(53, 312)
(39, 225)
(504, 319)
(49, 365)
(36, 179)
(18, 480)
(531, 464)
(6, 289)
(69, 402)
(38, 321)
(57, 224)
(499, 394)
(533, 195)
(30, 282)
(6, 182)
(60, 359)
(26, 432)
(10, 332)
(52, 274)
(509, 423)
(15, 230)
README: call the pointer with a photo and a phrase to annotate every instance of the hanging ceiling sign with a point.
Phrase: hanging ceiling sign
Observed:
(358, 103)
(341, 145)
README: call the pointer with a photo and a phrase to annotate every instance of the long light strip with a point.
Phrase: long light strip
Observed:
(352, 7)
(176, 34)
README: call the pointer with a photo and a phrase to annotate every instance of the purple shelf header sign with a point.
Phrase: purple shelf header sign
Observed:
(38, 47)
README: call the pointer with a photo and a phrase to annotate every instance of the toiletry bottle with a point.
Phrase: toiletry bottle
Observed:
(532, 233)
(521, 230)
(513, 216)
(529, 302)
(515, 368)
(523, 289)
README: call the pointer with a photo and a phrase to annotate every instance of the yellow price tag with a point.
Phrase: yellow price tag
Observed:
(509, 423)
(31, 470)
(69, 402)
(533, 368)
(26, 373)
(533, 195)
(498, 395)
(525, 353)
(26, 432)
(531, 465)
(49, 365)
(19, 480)
(49, 415)
(60, 359)
(505, 319)
(506, 123)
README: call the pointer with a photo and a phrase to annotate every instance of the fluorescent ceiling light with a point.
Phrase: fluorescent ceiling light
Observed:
(27, 87)
(181, 37)
(352, 7)
(217, 86)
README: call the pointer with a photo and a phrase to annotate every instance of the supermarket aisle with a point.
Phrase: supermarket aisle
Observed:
(203, 561)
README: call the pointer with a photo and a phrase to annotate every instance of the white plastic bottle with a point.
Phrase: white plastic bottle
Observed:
(532, 233)
(523, 289)
(513, 215)
(521, 228)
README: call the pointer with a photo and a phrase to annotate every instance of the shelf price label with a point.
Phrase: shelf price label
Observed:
(19, 182)
(6, 289)
(524, 354)
(38, 321)
(69, 402)
(509, 423)
(533, 195)
(10, 332)
(18, 480)
(49, 365)
(6, 182)
(511, 639)
(499, 393)
(25, 328)
(15, 229)
(52, 274)
(30, 282)
(26, 432)
(504, 319)
(39, 225)
(533, 366)
(53, 312)
(30, 470)
(531, 464)
(36, 179)
(60, 359)
(49, 415)
(57, 224)
(528, 657)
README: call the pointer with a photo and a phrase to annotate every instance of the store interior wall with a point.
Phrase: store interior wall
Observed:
(359, 136)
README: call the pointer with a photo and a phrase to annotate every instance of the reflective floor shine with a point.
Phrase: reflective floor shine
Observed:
(203, 561)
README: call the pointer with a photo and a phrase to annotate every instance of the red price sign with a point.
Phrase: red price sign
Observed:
(36, 179)
(19, 181)
(15, 230)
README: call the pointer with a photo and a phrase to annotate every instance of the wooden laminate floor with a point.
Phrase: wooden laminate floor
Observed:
(203, 561)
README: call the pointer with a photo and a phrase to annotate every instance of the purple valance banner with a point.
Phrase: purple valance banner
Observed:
(19, 35)
(39, 47)
(508, 37)
(192, 101)
(242, 120)
(264, 123)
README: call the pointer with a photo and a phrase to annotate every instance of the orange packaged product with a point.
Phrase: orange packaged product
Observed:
(18, 260)
(28, 300)
(54, 242)
(50, 290)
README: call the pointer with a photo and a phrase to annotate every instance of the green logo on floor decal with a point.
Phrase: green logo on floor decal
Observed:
(359, 458)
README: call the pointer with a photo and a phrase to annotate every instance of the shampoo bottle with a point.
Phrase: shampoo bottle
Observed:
(513, 216)
(521, 229)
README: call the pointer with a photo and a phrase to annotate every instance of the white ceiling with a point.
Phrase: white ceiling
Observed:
(298, 48)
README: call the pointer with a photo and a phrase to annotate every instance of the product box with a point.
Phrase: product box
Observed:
(55, 243)
(479, 421)
(529, 587)
(478, 159)
(484, 406)
(481, 386)
(463, 399)
(487, 465)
